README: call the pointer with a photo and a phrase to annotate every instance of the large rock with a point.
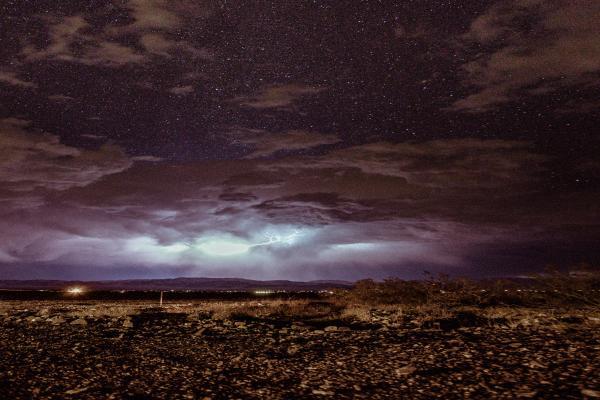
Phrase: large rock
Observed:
(79, 321)
(199, 332)
(590, 393)
(44, 312)
(56, 320)
(405, 370)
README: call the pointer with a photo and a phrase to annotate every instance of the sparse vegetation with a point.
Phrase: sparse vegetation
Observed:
(394, 338)
(576, 286)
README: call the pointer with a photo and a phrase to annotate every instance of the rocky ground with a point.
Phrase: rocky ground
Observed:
(48, 354)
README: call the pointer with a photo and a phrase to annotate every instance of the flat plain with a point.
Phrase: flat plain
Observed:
(281, 349)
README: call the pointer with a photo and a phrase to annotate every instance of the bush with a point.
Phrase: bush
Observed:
(390, 291)
(576, 286)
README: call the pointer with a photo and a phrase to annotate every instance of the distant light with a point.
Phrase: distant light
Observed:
(75, 290)
(263, 292)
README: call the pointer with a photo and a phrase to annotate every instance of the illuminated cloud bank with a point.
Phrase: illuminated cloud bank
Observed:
(369, 210)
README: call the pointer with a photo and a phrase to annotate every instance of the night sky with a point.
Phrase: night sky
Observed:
(298, 139)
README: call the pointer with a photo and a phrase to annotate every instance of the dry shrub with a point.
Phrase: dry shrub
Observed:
(357, 312)
(106, 310)
(577, 286)
(390, 291)
(290, 309)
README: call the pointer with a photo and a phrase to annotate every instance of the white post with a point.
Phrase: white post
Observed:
(161, 298)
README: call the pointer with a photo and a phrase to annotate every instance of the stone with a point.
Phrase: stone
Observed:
(322, 392)
(44, 312)
(192, 317)
(406, 370)
(79, 321)
(56, 320)
(199, 332)
(527, 395)
(76, 391)
(590, 393)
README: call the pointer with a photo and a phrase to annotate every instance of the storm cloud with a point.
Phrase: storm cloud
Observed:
(298, 140)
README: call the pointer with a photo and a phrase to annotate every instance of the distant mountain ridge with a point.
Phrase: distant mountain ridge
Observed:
(201, 284)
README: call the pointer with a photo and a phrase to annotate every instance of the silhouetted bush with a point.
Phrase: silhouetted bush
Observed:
(390, 291)
(578, 285)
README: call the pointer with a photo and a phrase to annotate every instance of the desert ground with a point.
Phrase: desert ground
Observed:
(284, 349)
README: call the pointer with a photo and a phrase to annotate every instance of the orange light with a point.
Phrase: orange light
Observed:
(75, 290)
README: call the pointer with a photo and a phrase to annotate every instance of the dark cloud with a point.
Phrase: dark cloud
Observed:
(262, 143)
(59, 97)
(71, 40)
(279, 97)
(33, 160)
(74, 38)
(396, 186)
(11, 78)
(239, 197)
(539, 47)
(327, 140)
(389, 203)
(182, 90)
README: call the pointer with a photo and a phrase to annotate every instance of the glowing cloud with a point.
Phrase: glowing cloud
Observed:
(218, 247)
(284, 239)
(223, 247)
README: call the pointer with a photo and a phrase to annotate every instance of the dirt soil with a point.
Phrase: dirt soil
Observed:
(158, 355)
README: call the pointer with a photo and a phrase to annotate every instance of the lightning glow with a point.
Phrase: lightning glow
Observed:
(285, 239)
(221, 247)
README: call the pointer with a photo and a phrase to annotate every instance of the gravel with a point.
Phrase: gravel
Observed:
(172, 356)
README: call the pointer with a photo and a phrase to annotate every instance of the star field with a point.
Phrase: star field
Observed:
(450, 136)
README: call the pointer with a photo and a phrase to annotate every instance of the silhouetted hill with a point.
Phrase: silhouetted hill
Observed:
(201, 284)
